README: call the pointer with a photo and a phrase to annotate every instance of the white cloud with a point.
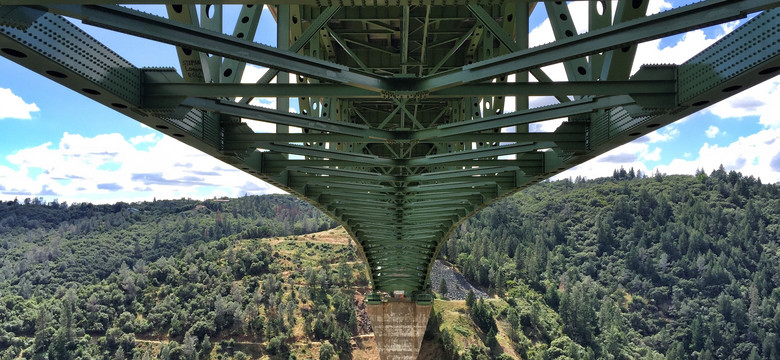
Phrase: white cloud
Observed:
(148, 138)
(14, 107)
(546, 126)
(631, 155)
(251, 75)
(108, 168)
(760, 100)
(654, 155)
(628, 156)
(711, 131)
(757, 155)
(665, 134)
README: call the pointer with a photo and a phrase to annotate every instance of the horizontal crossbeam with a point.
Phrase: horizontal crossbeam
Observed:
(152, 27)
(565, 88)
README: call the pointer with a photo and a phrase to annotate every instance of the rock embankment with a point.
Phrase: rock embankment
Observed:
(457, 285)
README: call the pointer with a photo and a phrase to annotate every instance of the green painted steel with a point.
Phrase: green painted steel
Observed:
(404, 129)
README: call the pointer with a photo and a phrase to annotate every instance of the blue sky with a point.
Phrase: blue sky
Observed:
(59, 144)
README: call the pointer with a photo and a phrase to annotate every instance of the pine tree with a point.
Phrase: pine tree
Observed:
(66, 314)
(190, 353)
(327, 352)
(43, 332)
(443, 288)
(119, 354)
(754, 355)
(490, 339)
(205, 347)
(470, 299)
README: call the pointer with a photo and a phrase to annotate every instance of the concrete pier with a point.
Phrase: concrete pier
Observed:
(399, 327)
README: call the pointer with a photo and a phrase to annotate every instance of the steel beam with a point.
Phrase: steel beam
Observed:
(163, 30)
(667, 23)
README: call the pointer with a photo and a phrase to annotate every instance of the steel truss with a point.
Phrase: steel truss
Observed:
(404, 128)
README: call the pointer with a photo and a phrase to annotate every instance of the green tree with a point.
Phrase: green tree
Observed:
(205, 347)
(43, 331)
(190, 346)
(327, 352)
(66, 314)
(119, 354)
(490, 339)
(443, 288)
(470, 299)
(578, 313)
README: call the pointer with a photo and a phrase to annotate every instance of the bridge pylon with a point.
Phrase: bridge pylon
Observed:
(399, 324)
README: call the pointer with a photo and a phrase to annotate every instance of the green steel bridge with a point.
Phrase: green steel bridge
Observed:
(405, 124)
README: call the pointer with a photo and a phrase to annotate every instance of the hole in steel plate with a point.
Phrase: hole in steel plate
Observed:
(762, 72)
(14, 53)
(56, 74)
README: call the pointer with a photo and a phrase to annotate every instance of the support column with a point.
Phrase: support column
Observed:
(399, 327)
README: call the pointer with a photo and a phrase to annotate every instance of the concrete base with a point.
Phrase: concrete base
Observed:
(398, 328)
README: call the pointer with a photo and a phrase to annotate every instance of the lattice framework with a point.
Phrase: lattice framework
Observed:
(405, 130)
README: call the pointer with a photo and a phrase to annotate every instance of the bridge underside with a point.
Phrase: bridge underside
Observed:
(410, 118)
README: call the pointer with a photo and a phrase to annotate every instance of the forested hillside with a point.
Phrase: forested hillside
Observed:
(684, 266)
(627, 267)
(43, 246)
(231, 298)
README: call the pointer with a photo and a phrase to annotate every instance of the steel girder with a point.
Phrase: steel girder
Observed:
(402, 128)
